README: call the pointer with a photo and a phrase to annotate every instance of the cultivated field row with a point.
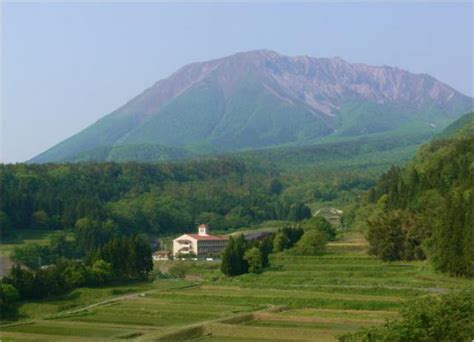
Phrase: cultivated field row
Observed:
(297, 299)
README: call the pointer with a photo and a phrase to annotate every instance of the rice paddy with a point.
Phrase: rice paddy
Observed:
(297, 299)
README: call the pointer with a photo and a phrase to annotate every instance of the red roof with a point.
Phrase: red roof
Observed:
(207, 237)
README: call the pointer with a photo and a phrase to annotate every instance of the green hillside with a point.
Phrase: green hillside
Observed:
(376, 151)
(424, 210)
(137, 153)
(463, 125)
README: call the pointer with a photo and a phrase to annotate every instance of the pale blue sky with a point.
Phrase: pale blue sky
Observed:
(65, 65)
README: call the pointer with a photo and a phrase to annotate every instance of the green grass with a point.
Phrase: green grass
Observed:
(343, 326)
(86, 296)
(24, 236)
(150, 311)
(296, 299)
(59, 328)
(135, 318)
(340, 314)
(271, 333)
(235, 339)
(290, 298)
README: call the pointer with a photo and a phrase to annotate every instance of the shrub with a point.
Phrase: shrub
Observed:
(320, 223)
(280, 242)
(313, 242)
(102, 271)
(255, 260)
(8, 297)
(179, 270)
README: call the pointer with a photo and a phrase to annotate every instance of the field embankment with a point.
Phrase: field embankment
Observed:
(297, 299)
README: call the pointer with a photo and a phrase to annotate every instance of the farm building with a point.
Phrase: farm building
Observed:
(201, 244)
(161, 255)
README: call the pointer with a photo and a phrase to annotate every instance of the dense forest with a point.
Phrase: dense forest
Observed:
(424, 210)
(151, 198)
(165, 198)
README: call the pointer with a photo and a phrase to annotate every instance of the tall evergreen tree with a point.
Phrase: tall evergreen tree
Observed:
(233, 262)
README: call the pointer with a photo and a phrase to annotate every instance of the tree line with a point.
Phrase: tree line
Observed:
(306, 238)
(152, 198)
(54, 269)
(424, 210)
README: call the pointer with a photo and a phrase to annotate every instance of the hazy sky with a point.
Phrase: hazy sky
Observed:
(65, 65)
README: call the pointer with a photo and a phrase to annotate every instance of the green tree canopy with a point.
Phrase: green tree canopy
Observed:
(319, 222)
(254, 258)
(281, 242)
(312, 242)
(233, 262)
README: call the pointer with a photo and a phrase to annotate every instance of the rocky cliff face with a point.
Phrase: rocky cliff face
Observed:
(262, 98)
(321, 83)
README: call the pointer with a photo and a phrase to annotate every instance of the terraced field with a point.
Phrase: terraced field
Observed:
(298, 299)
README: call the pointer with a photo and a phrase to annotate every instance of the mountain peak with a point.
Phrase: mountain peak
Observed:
(261, 98)
(266, 53)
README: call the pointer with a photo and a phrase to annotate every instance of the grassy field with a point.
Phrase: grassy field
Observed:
(24, 236)
(297, 299)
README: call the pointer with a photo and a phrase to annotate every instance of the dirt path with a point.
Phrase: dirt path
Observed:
(97, 304)
(119, 299)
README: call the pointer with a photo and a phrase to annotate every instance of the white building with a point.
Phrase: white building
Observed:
(201, 244)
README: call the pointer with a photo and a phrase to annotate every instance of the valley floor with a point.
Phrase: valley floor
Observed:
(297, 299)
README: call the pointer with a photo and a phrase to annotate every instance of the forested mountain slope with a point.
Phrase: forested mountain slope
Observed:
(425, 209)
(462, 126)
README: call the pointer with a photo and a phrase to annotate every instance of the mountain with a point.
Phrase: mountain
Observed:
(260, 99)
(462, 126)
